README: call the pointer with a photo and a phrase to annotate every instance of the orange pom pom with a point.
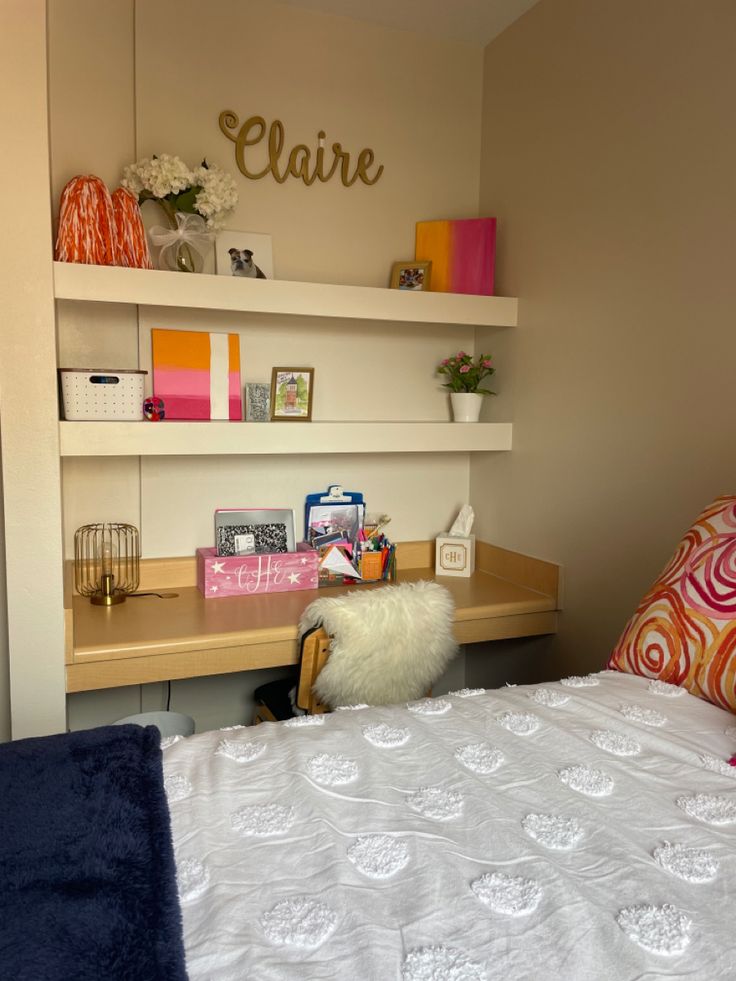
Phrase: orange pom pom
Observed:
(86, 223)
(130, 235)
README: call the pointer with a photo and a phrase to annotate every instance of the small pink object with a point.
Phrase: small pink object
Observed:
(154, 409)
(254, 575)
(732, 761)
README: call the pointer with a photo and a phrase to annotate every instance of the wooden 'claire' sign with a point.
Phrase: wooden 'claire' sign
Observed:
(299, 163)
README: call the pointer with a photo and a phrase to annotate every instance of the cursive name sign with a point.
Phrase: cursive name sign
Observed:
(300, 162)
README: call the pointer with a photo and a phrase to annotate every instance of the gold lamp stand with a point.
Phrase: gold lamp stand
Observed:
(106, 562)
(108, 595)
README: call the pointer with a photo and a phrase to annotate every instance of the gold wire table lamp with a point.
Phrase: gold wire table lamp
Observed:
(106, 562)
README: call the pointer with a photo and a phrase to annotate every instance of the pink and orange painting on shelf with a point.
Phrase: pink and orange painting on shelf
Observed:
(197, 374)
(462, 253)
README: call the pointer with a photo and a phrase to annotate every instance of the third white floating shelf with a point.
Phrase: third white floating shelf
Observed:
(150, 287)
(275, 438)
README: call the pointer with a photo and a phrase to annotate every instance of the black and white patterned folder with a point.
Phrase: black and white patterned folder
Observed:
(251, 531)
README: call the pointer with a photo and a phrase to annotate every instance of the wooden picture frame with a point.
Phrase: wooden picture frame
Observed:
(412, 275)
(289, 401)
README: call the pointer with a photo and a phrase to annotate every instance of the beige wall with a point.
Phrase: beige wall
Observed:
(414, 100)
(166, 89)
(365, 86)
(609, 157)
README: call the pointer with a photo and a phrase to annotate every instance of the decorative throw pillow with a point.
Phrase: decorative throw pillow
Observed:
(684, 630)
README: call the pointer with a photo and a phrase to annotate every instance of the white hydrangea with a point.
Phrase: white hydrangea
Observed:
(131, 179)
(164, 175)
(159, 176)
(218, 197)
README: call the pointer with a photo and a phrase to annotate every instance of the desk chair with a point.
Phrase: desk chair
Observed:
(279, 700)
(376, 647)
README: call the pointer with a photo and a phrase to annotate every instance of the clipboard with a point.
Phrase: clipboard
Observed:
(333, 495)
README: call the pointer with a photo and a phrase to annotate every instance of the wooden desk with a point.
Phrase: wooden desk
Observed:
(148, 639)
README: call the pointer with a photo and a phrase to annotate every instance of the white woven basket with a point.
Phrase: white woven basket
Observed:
(92, 393)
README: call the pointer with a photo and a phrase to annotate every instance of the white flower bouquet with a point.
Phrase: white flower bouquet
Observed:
(207, 190)
(196, 202)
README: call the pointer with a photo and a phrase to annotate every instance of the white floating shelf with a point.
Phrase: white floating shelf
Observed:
(269, 438)
(113, 284)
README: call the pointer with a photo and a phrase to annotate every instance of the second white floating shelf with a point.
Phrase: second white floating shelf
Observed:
(269, 438)
(111, 284)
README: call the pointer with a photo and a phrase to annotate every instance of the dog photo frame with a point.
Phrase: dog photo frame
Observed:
(292, 390)
(244, 254)
(412, 275)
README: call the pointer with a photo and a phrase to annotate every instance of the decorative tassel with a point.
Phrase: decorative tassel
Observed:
(130, 235)
(86, 223)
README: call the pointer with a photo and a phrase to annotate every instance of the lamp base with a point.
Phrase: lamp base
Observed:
(105, 599)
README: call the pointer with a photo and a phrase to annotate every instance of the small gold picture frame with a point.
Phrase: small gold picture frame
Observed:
(412, 275)
(291, 394)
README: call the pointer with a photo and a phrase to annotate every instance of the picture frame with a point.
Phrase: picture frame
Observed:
(257, 402)
(412, 275)
(247, 255)
(292, 391)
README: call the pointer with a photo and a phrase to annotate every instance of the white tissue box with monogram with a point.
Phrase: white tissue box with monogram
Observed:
(455, 551)
(454, 556)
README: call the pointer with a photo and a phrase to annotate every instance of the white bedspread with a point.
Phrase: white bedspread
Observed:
(475, 836)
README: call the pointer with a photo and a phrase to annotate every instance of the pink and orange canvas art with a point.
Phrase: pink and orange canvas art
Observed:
(462, 253)
(197, 374)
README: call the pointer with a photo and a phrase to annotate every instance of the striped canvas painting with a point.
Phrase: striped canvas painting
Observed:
(462, 253)
(197, 374)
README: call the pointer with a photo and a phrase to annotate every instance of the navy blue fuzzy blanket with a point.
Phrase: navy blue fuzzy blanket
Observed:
(87, 876)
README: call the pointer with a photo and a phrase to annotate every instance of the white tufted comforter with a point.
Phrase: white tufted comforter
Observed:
(578, 830)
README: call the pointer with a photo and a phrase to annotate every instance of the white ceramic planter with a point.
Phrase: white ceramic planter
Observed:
(466, 406)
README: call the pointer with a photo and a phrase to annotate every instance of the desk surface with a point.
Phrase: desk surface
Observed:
(150, 639)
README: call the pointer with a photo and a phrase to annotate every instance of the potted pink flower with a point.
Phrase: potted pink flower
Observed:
(464, 376)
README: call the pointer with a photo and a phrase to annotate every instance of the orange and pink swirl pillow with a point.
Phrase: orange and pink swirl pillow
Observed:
(684, 630)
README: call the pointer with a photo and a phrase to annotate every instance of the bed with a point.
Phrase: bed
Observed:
(584, 829)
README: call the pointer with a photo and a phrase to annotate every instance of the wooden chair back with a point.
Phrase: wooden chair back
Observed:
(315, 651)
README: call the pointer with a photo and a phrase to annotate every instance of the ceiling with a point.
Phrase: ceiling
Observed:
(473, 21)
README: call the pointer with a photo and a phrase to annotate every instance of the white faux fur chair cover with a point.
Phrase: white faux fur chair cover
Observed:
(388, 645)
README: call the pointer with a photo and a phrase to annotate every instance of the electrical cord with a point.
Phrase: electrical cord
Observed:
(160, 595)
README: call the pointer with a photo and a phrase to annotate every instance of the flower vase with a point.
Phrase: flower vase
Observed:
(181, 257)
(466, 406)
(184, 244)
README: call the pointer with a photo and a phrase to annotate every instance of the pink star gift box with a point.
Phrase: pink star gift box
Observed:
(254, 575)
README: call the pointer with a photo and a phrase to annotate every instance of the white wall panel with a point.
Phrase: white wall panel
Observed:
(28, 411)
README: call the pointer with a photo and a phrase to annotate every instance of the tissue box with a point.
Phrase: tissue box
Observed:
(454, 556)
(254, 575)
